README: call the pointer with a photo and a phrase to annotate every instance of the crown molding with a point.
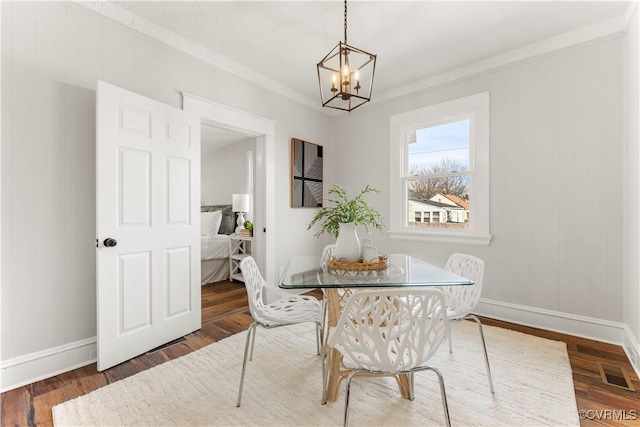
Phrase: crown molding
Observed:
(149, 29)
(603, 29)
(607, 28)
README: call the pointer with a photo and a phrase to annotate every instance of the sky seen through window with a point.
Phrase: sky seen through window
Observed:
(436, 143)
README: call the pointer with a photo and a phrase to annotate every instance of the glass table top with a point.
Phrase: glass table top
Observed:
(306, 272)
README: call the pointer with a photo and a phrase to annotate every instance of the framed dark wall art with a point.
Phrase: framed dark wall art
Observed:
(306, 174)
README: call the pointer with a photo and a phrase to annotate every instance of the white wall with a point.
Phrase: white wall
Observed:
(631, 218)
(53, 53)
(224, 171)
(557, 142)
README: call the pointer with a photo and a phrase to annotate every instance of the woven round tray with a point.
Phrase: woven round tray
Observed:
(359, 265)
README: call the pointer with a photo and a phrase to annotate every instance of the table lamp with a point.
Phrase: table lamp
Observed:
(240, 206)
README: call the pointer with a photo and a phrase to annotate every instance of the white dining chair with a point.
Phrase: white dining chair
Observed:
(391, 332)
(327, 252)
(462, 300)
(288, 309)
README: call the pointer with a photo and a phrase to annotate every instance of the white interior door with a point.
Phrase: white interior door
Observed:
(148, 202)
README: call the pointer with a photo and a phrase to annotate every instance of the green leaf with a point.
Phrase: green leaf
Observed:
(345, 210)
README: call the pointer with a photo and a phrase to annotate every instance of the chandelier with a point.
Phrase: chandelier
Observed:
(346, 75)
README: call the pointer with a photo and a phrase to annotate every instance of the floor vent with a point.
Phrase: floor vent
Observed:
(169, 344)
(615, 376)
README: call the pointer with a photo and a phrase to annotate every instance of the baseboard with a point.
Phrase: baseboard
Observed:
(580, 326)
(632, 348)
(33, 367)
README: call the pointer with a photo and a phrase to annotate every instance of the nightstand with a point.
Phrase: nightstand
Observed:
(239, 249)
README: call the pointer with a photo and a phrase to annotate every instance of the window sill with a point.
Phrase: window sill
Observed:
(459, 239)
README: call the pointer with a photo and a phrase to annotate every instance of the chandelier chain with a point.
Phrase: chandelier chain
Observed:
(345, 22)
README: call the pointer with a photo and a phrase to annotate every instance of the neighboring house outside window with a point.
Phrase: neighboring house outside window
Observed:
(457, 202)
(436, 214)
(440, 172)
(427, 211)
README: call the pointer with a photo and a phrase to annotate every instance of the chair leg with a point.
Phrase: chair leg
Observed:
(318, 337)
(449, 337)
(484, 348)
(326, 359)
(346, 400)
(411, 386)
(253, 341)
(244, 363)
(443, 393)
(323, 324)
(325, 313)
(324, 355)
(321, 352)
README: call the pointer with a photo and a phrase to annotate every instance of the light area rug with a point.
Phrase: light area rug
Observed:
(532, 378)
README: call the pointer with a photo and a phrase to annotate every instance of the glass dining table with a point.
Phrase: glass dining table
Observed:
(312, 272)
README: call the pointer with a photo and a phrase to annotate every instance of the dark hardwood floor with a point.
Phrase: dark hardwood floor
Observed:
(225, 312)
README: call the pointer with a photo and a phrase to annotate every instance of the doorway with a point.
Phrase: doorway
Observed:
(263, 132)
(226, 171)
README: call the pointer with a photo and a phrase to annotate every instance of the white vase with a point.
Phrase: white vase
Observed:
(370, 254)
(364, 244)
(347, 244)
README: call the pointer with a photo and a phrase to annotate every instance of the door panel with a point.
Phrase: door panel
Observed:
(178, 279)
(178, 185)
(134, 121)
(134, 188)
(134, 302)
(148, 198)
(178, 133)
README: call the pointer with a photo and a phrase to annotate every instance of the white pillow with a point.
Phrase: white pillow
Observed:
(210, 223)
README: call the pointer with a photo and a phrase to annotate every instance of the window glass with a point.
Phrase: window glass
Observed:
(439, 181)
(439, 148)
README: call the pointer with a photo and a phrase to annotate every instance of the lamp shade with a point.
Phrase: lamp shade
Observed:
(240, 203)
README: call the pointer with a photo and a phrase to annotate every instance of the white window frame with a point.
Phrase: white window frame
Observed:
(476, 108)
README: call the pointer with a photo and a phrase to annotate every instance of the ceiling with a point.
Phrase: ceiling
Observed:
(415, 40)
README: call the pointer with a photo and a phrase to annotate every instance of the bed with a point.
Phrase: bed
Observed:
(214, 242)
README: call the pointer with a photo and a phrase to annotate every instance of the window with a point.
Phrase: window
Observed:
(440, 172)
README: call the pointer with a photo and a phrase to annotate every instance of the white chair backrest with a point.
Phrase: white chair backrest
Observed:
(391, 330)
(255, 285)
(327, 252)
(462, 299)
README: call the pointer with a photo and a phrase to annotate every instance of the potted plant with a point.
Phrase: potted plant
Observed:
(340, 220)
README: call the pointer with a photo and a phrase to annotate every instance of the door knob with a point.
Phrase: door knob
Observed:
(109, 242)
